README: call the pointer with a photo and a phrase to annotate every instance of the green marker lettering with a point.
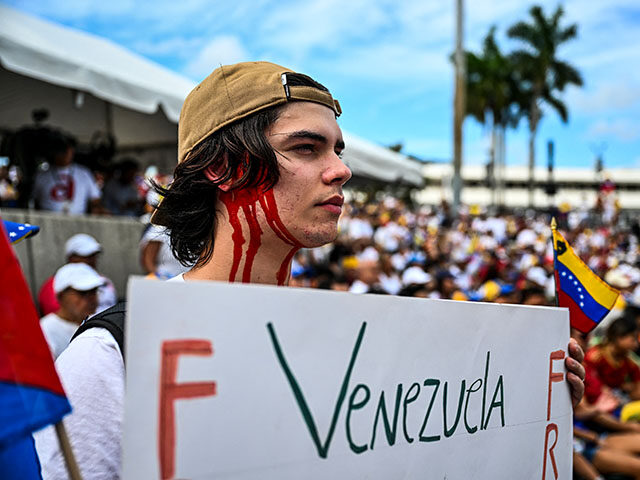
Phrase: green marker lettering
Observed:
(494, 403)
(408, 398)
(356, 406)
(323, 448)
(470, 390)
(390, 431)
(428, 383)
(450, 431)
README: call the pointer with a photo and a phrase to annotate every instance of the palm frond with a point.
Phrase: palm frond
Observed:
(568, 33)
(524, 32)
(558, 106)
(565, 74)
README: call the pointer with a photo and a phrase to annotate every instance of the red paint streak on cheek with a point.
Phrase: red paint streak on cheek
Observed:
(283, 272)
(254, 240)
(246, 199)
(268, 203)
(230, 201)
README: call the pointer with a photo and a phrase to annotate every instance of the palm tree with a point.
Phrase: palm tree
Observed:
(493, 95)
(540, 72)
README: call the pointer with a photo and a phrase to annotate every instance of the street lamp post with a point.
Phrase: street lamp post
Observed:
(458, 107)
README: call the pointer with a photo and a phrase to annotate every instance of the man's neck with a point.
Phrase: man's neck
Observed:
(614, 352)
(68, 316)
(258, 255)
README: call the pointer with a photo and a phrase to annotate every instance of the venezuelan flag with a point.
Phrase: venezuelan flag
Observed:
(31, 395)
(587, 297)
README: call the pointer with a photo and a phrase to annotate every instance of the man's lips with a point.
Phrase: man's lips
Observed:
(332, 204)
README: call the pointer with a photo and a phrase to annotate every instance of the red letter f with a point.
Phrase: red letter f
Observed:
(170, 391)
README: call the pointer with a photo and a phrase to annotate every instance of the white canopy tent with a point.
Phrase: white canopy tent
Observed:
(90, 84)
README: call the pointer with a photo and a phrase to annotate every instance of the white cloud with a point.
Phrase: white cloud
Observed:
(399, 64)
(169, 46)
(222, 50)
(623, 129)
(607, 96)
(428, 148)
(76, 9)
(320, 24)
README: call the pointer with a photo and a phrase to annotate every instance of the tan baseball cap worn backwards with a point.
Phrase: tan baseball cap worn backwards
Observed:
(234, 92)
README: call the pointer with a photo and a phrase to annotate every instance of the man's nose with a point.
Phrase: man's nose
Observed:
(336, 172)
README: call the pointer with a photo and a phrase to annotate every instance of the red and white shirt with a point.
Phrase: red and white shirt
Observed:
(65, 189)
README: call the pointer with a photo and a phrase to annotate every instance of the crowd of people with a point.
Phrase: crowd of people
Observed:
(387, 247)
(64, 185)
(390, 247)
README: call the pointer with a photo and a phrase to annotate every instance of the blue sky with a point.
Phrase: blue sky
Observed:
(388, 62)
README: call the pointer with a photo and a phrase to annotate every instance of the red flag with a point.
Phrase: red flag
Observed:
(31, 395)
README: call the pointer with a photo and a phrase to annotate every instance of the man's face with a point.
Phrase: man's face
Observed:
(79, 304)
(308, 142)
(64, 159)
(91, 260)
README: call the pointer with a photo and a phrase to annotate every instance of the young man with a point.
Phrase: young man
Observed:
(79, 248)
(76, 288)
(66, 187)
(259, 176)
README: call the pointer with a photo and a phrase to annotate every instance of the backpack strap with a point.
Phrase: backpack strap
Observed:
(112, 319)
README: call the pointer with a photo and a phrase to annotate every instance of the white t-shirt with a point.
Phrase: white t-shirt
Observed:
(58, 332)
(107, 296)
(167, 266)
(92, 373)
(66, 189)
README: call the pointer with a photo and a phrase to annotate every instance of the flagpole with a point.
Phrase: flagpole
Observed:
(554, 227)
(67, 452)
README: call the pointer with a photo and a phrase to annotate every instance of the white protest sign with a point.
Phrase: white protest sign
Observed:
(255, 382)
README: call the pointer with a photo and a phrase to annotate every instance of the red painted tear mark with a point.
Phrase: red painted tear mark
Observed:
(170, 391)
(270, 208)
(254, 240)
(238, 239)
(551, 427)
(247, 199)
(553, 377)
(283, 272)
(268, 203)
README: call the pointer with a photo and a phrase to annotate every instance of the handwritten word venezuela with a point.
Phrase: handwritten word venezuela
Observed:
(391, 409)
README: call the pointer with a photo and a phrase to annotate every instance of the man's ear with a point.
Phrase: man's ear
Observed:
(214, 172)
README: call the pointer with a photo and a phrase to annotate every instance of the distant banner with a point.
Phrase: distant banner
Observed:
(257, 382)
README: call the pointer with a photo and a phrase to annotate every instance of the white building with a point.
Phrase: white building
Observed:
(575, 186)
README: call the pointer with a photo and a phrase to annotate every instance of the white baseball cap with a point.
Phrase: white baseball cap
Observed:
(82, 244)
(78, 276)
(415, 276)
(537, 275)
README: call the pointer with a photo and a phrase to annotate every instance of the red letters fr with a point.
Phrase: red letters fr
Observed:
(552, 427)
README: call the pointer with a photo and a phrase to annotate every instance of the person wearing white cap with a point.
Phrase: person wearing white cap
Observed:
(79, 248)
(76, 286)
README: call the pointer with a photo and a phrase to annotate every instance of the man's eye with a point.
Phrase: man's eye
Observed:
(305, 149)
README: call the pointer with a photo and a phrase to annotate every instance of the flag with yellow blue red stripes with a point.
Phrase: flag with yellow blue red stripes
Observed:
(578, 288)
